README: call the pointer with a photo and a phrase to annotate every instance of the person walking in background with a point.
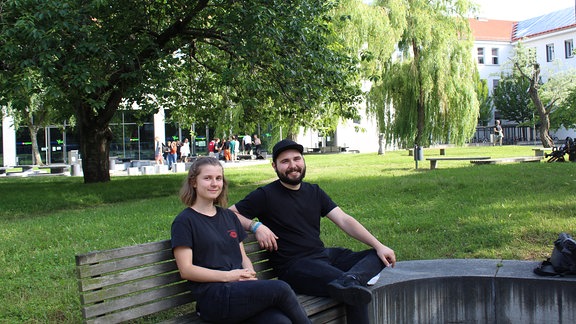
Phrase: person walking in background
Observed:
(498, 134)
(166, 152)
(233, 148)
(289, 211)
(211, 147)
(247, 144)
(226, 149)
(207, 245)
(158, 151)
(218, 149)
(257, 145)
(172, 154)
(184, 151)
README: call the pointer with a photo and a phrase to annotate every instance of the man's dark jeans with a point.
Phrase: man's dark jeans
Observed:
(311, 275)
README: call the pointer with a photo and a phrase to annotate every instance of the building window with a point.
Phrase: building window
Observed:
(549, 52)
(480, 55)
(494, 84)
(569, 48)
(495, 56)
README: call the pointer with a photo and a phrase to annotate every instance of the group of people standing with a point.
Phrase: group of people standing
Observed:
(170, 152)
(228, 149)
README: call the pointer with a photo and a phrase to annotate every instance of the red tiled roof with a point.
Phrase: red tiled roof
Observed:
(491, 30)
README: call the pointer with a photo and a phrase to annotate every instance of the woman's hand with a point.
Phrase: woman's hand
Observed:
(241, 275)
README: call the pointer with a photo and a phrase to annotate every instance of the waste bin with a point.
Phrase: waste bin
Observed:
(76, 170)
(418, 154)
(73, 157)
(112, 164)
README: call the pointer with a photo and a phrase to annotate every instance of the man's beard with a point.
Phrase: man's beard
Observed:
(284, 178)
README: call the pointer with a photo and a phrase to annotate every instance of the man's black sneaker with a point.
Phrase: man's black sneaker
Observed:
(349, 291)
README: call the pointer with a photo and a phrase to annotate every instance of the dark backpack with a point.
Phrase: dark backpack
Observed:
(563, 259)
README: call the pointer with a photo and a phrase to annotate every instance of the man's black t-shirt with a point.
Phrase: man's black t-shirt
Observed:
(293, 215)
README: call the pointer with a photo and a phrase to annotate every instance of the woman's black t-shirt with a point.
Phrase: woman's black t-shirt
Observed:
(214, 240)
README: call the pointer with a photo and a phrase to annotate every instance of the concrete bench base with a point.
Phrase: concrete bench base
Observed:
(56, 168)
(471, 291)
(541, 151)
(148, 170)
(179, 167)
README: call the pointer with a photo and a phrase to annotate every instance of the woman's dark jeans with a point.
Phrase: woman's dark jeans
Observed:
(253, 301)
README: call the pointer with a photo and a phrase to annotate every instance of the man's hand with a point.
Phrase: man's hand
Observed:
(387, 256)
(266, 238)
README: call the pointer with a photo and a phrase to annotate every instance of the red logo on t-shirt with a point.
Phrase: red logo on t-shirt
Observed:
(233, 234)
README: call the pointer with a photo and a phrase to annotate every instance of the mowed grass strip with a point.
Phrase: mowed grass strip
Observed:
(460, 210)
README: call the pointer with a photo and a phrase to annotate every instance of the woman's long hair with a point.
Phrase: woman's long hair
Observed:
(188, 193)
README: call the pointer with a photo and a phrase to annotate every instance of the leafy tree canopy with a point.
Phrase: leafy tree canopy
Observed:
(427, 93)
(484, 100)
(511, 98)
(221, 60)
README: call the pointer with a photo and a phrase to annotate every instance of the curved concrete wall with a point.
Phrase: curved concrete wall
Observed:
(471, 291)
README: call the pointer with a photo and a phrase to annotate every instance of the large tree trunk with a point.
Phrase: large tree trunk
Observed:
(420, 104)
(95, 137)
(542, 112)
(36, 157)
(95, 150)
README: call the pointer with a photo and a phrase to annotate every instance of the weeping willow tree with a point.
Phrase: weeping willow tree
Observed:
(427, 92)
(368, 35)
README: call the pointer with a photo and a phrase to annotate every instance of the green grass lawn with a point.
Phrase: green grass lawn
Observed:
(510, 211)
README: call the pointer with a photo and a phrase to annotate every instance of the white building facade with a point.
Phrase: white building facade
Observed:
(551, 36)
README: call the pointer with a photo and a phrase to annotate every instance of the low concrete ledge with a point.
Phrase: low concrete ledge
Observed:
(471, 291)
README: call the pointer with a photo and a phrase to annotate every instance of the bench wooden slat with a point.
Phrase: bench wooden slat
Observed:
(134, 300)
(129, 251)
(336, 315)
(314, 304)
(259, 256)
(122, 264)
(434, 160)
(267, 275)
(141, 311)
(99, 295)
(184, 319)
(509, 160)
(117, 278)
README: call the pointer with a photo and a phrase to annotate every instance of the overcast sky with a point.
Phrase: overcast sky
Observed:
(520, 9)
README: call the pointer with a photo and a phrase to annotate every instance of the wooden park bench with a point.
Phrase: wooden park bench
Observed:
(133, 282)
(434, 160)
(508, 160)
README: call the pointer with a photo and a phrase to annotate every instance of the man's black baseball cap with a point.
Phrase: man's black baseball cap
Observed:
(284, 145)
